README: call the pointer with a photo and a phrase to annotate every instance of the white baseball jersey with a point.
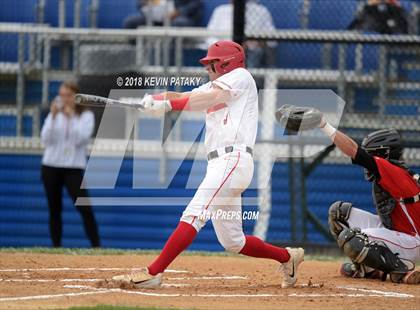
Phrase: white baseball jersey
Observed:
(233, 123)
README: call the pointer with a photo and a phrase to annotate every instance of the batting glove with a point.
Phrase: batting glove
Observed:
(155, 106)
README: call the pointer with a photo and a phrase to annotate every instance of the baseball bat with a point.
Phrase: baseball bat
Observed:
(98, 101)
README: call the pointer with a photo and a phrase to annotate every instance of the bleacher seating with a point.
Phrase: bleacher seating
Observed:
(8, 47)
(8, 125)
(286, 13)
(23, 11)
(111, 14)
(289, 55)
(332, 15)
(51, 13)
(292, 55)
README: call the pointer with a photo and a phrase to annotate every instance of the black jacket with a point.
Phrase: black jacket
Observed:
(381, 18)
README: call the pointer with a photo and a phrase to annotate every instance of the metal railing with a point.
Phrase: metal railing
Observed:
(43, 36)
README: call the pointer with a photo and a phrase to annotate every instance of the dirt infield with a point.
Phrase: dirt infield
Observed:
(51, 281)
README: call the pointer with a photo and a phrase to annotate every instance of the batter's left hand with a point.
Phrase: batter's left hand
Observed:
(155, 106)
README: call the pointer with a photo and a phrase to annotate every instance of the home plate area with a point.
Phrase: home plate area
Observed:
(59, 281)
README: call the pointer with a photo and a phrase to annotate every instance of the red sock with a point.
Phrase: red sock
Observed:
(255, 247)
(180, 239)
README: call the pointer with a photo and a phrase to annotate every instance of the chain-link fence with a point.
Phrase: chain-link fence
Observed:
(368, 53)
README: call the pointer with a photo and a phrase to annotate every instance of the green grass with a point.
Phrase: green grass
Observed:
(82, 251)
(106, 307)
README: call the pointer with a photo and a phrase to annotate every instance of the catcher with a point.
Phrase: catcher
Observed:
(382, 244)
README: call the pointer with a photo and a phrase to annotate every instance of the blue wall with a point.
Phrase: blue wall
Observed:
(24, 216)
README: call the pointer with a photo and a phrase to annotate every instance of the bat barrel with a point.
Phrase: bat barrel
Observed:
(92, 100)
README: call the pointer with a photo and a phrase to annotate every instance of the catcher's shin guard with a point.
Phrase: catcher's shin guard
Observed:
(338, 214)
(377, 255)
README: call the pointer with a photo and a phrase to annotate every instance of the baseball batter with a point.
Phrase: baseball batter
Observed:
(230, 102)
(387, 243)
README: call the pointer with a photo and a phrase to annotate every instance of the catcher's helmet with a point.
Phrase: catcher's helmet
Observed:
(230, 55)
(385, 143)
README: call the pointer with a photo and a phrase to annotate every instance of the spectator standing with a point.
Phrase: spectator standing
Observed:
(257, 18)
(65, 134)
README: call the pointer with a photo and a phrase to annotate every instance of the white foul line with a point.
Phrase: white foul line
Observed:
(381, 293)
(50, 280)
(97, 280)
(378, 294)
(84, 269)
(103, 291)
(347, 295)
(364, 292)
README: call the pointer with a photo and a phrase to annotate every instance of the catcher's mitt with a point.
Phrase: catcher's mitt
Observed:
(295, 118)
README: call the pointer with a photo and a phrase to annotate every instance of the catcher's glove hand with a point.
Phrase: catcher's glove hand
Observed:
(295, 118)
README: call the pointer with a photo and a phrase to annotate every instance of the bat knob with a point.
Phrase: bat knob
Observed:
(78, 99)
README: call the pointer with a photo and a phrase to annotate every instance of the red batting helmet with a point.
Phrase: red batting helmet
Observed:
(230, 55)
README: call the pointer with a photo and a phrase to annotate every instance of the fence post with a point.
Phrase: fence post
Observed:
(45, 68)
(20, 85)
(382, 71)
(292, 195)
(40, 11)
(341, 82)
(76, 42)
(304, 15)
(303, 201)
(93, 14)
(265, 160)
(239, 21)
(61, 13)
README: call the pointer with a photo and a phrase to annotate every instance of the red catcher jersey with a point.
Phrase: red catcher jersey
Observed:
(400, 184)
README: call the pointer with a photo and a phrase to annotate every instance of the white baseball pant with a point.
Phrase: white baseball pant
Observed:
(226, 178)
(405, 245)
